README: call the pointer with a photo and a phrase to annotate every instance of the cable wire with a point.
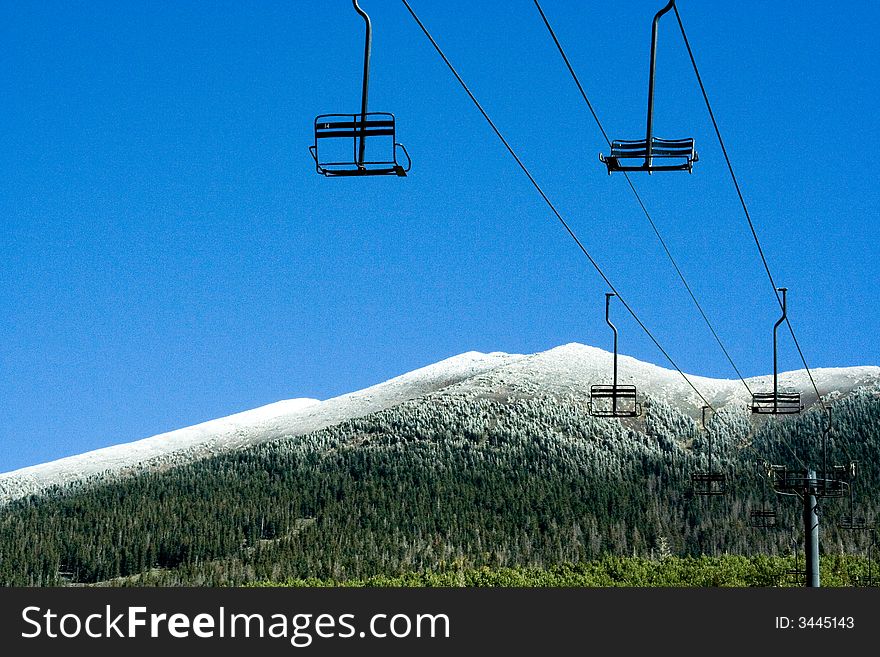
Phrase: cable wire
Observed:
(556, 212)
(549, 203)
(650, 220)
(639, 199)
(743, 202)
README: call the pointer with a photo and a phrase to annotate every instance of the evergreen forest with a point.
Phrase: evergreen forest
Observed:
(463, 488)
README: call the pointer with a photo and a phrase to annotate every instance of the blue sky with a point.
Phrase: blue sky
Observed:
(171, 256)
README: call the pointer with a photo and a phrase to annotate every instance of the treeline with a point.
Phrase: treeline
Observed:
(471, 481)
(610, 571)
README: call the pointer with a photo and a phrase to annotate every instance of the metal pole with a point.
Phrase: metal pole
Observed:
(705, 408)
(775, 367)
(825, 446)
(811, 531)
(650, 131)
(368, 42)
(608, 296)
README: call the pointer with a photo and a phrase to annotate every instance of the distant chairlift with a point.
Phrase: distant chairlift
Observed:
(363, 144)
(777, 403)
(614, 400)
(835, 480)
(711, 482)
(869, 580)
(763, 517)
(651, 153)
(829, 482)
(797, 575)
(852, 522)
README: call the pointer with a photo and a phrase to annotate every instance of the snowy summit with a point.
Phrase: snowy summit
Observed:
(566, 370)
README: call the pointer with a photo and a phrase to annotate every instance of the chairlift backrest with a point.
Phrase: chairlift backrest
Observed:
(349, 154)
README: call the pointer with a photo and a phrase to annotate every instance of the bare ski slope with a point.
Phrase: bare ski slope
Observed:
(567, 370)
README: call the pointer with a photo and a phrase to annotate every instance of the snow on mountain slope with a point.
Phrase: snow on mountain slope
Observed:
(285, 418)
(567, 370)
(571, 369)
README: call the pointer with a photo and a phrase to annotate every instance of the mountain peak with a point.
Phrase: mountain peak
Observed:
(568, 369)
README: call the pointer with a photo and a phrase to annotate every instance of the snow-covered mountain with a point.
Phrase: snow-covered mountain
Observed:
(567, 370)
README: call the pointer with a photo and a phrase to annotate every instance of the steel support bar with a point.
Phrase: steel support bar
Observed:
(811, 531)
(650, 131)
(608, 296)
(775, 358)
(368, 42)
(709, 435)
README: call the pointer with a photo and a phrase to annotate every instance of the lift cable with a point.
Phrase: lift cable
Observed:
(549, 203)
(650, 220)
(743, 202)
(639, 199)
(556, 212)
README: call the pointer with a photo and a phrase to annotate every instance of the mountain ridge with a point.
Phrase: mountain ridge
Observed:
(565, 370)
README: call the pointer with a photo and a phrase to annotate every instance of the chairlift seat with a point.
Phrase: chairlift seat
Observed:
(796, 576)
(605, 401)
(863, 581)
(776, 403)
(709, 483)
(666, 155)
(784, 480)
(377, 132)
(855, 523)
(831, 484)
(762, 518)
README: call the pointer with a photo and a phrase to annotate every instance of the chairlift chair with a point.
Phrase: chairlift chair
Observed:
(651, 153)
(855, 523)
(372, 136)
(869, 580)
(788, 482)
(614, 400)
(835, 480)
(831, 483)
(776, 402)
(798, 482)
(764, 517)
(376, 127)
(796, 575)
(674, 155)
(851, 521)
(711, 482)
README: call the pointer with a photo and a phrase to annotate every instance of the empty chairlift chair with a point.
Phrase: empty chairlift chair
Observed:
(614, 400)
(651, 153)
(348, 153)
(363, 144)
(664, 155)
(776, 402)
(851, 521)
(861, 580)
(834, 480)
(763, 517)
(708, 482)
